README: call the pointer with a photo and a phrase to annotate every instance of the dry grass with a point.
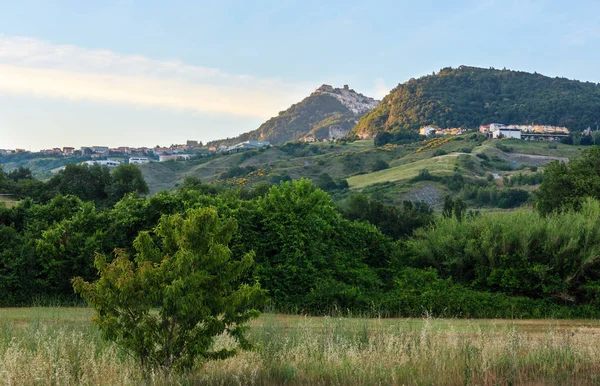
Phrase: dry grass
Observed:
(59, 346)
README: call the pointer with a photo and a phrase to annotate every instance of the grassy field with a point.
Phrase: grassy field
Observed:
(60, 346)
(438, 166)
(7, 201)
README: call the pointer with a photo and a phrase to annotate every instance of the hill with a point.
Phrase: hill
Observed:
(462, 166)
(328, 112)
(469, 96)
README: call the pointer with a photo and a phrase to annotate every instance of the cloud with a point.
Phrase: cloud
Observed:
(33, 67)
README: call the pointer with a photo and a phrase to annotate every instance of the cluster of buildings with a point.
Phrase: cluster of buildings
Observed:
(524, 132)
(12, 151)
(430, 130)
(141, 155)
(500, 130)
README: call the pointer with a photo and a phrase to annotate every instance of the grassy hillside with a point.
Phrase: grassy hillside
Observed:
(469, 96)
(438, 166)
(448, 161)
(40, 165)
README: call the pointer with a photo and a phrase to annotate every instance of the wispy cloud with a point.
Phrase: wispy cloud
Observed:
(33, 67)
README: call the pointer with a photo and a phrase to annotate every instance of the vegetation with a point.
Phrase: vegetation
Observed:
(314, 114)
(567, 185)
(60, 346)
(469, 96)
(89, 183)
(179, 293)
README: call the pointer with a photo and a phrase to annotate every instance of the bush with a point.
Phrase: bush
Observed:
(379, 165)
(168, 304)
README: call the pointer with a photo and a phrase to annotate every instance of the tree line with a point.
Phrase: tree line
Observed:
(314, 255)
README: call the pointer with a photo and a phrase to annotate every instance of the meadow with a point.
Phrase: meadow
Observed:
(49, 346)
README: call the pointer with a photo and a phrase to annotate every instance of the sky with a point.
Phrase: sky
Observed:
(146, 73)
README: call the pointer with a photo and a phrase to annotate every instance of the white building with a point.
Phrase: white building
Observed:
(506, 133)
(138, 160)
(247, 145)
(106, 162)
(497, 126)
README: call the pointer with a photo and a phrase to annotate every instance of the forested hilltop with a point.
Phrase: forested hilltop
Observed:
(469, 96)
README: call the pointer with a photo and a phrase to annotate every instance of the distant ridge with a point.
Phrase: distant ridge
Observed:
(470, 96)
(328, 112)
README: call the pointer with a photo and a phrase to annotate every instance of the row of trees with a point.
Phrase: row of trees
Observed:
(90, 183)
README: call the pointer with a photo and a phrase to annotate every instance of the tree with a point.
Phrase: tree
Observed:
(89, 183)
(448, 207)
(379, 165)
(127, 178)
(383, 138)
(21, 173)
(565, 185)
(586, 140)
(181, 290)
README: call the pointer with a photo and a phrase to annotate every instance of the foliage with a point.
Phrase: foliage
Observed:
(500, 198)
(328, 184)
(391, 221)
(565, 186)
(379, 165)
(305, 250)
(519, 253)
(126, 179)
(168, 303)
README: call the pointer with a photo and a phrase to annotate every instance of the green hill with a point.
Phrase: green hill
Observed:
(469, 96)
(327, 112)
(419, 171)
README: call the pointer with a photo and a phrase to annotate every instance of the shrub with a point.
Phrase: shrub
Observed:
(168, 304)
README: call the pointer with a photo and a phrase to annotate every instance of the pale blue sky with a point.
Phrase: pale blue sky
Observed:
(156, 72)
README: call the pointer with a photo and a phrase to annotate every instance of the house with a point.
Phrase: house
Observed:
(484, 128)
(162, 150)
(68, 151)
(310, 138)
(497, 126)
(138, 160)
(107, 162)
(247, 145)
(505, 132)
